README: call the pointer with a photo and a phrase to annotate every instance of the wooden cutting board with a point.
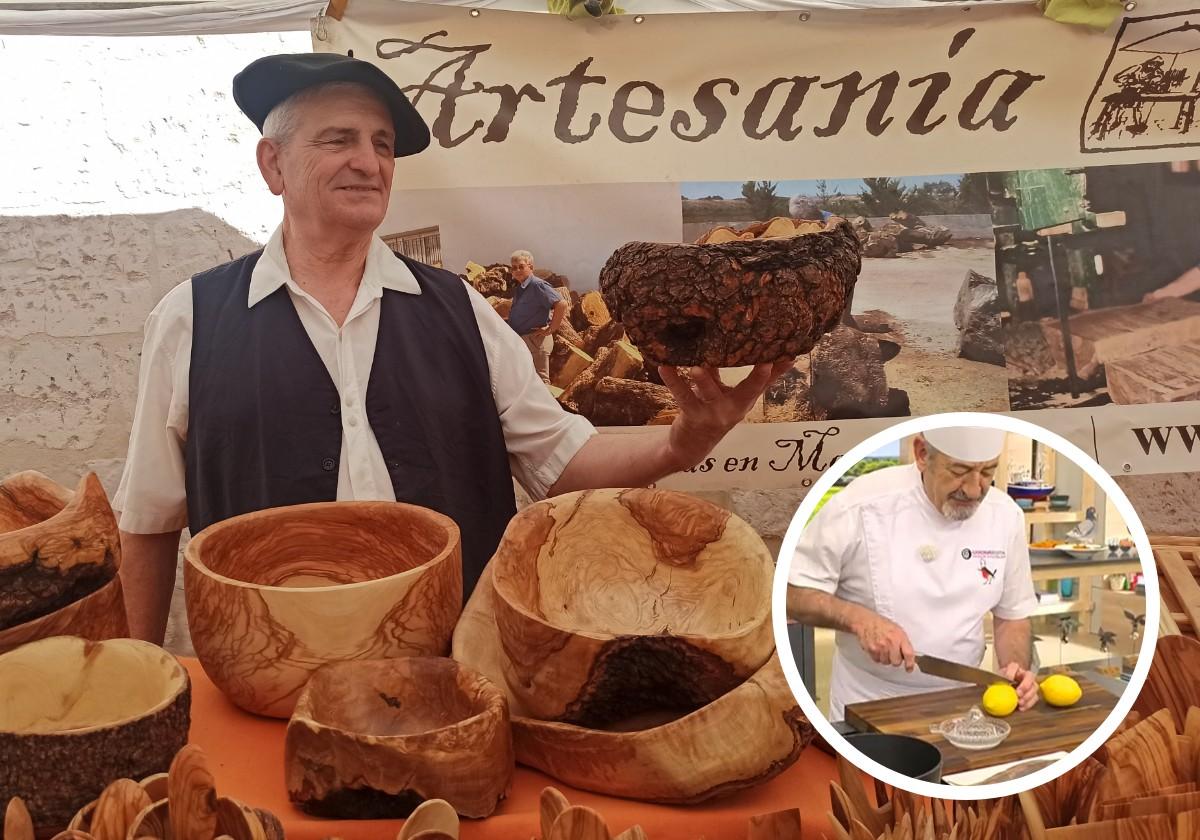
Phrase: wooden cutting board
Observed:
(1041, 730)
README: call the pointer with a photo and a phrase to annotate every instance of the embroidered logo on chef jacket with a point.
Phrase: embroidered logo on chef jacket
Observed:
(988, 560)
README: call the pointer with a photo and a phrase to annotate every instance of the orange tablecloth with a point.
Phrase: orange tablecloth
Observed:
(246, 756)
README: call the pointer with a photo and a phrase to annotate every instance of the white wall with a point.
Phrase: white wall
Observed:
(98, 126)
(570, 230)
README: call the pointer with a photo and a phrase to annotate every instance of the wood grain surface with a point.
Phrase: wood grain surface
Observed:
(1040, 730)
(273, 595)
(613, 602)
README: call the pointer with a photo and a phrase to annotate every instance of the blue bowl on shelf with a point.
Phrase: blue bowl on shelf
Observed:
(1032, 490)
(1024, 504)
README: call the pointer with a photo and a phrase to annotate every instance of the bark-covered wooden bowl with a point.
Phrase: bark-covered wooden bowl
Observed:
(59, 556)
(76, 715)
(612, 602)
(375, 739)
(273, 595)
(740, 740)
(736, 302)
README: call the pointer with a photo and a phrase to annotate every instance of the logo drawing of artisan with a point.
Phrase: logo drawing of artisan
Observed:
(908, 560)
(325, 367)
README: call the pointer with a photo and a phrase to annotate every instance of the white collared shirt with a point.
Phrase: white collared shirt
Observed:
(540, 436)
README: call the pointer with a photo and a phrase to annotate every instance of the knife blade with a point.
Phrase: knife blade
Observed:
(960, 673)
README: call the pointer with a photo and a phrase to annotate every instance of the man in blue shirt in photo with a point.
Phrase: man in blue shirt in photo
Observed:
(537, 310)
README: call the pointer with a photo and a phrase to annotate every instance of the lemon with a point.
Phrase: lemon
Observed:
(1061, 690)
(1000, 700)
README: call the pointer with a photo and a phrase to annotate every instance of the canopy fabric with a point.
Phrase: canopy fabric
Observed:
(213, 17)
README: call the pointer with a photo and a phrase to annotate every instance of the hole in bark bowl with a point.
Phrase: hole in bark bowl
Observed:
(612, 603)
(273, 595)
(79, 714)
(373, 739)
(740, 740)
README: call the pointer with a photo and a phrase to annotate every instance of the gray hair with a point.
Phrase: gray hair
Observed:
(280, 123)
(523, 256)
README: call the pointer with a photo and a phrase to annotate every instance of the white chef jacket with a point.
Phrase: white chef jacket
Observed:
(540, 436)
(881, 543)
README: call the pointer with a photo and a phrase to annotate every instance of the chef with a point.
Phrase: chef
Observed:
(908, 560)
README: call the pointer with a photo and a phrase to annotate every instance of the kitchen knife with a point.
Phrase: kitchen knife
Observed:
(960, 673)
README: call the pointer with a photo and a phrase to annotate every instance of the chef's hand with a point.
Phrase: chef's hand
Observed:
(1027, 687)
(708, 408)
(886, 642)
(542, 332)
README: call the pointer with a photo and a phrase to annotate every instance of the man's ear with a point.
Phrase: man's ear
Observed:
(920, 452)
(267, 154)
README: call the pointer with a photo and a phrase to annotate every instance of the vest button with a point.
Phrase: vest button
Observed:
(335, 409)
(328, 465)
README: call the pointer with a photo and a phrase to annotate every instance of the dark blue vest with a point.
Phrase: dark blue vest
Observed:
(263, 419)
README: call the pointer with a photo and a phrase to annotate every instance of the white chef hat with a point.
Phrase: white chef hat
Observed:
(972, 444)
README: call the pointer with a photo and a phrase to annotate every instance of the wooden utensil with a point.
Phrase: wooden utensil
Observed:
(193, 796)
(17, 823)
(551, 804)
(1173, 681)
(116, 809)
(579, 823)
(431, 815)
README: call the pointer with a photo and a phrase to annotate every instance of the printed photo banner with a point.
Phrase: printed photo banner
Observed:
(518, 99)
(1025, 196)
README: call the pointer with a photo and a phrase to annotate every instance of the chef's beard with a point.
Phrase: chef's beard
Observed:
(959, 508)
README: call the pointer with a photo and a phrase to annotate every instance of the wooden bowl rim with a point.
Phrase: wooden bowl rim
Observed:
(496, 705)
(104, 591)
(612, 495)
(196, 543)
(84, 492)
(178, 674)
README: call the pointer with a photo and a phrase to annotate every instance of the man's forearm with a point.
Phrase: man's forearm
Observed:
(556, 316)
(619, 460)
(1013, 641)
(148, 579)
(820, 609)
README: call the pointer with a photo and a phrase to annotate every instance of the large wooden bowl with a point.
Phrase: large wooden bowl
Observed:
(273, 595)
(374, 739)
(58, 549)
(739, 302)
(77, 715)
(740, 740)
(611, 602)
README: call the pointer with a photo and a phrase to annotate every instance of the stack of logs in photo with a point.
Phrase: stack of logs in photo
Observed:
(595, 370)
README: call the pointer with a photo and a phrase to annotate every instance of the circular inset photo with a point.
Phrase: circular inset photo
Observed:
(965, 606)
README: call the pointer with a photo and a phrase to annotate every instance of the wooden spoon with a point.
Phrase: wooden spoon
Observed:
(117, 808)
(193, 796)
(18, 825)
(634, 832)
(431, 815)
(551, 804)
(579, 823)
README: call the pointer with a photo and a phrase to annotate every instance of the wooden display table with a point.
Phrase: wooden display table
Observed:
(246, 757)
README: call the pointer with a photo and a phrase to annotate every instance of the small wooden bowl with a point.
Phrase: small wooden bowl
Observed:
(273, 595)
(79, 714)
(613, 602)
(738, 741)
(374, 739)
(59, 556)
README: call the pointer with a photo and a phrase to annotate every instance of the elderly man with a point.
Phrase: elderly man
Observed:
(908, 560)
(326, 367)
(537, 311)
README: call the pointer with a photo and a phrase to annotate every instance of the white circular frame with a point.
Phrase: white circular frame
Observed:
(783, 642)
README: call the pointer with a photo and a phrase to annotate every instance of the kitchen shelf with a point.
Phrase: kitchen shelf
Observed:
(1057, 608)
(1045, 517)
